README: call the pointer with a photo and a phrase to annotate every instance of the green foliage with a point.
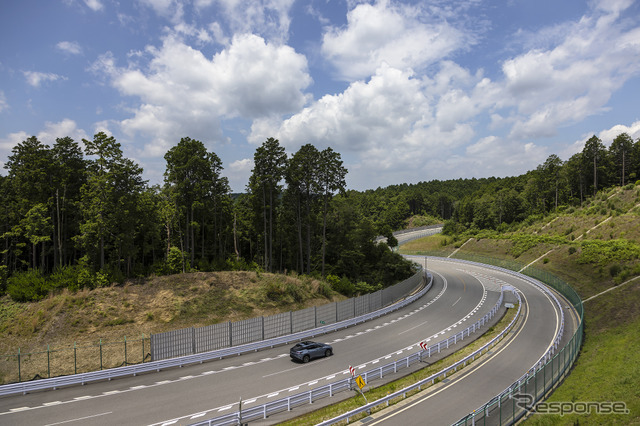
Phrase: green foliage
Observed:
(341, 285)
(177, 261)
(3, 279)
(27, 286)
(362, 287)
(600, 252)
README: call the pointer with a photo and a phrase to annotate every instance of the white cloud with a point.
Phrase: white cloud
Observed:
(575, 78)
(35, 78)
(238, 173)
(268, 18)
(69, 47)
(94, 5)
(172, 10)
(607, 136)
(184, 93)
(66, 127)
(388, 124)
(400, 35)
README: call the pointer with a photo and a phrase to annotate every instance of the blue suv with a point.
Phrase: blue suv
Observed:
(306, 351)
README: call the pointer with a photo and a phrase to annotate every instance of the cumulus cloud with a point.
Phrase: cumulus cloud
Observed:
(69, 47)
(459, 121)
(401, 36)
(607, 136)
(35, 78)
(184, 93)
(268, 18)
(575, 78)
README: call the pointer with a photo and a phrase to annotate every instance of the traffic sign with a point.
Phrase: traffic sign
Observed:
(352, 371)
(423, 345)
(360, 382)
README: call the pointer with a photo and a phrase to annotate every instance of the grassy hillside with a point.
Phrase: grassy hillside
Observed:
(594, 248)
(142, 307)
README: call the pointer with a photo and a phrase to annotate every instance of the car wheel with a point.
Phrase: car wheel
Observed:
(327, 352)
(305, 359)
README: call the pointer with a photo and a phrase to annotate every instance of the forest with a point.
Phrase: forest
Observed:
(74, 218)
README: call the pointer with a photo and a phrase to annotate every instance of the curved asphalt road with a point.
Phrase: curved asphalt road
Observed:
(460, 296)
(470, 388)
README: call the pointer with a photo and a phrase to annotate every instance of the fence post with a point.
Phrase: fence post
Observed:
(315, 317)
(125, 351)
(142, 362)
(230, 334)
(19, 369)
(48, 363)
(101, 354)
(193, 340)
(290, 323)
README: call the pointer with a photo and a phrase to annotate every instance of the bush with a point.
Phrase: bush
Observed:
(614, 270)
(28, 286)
(341, 285)
(175, 260)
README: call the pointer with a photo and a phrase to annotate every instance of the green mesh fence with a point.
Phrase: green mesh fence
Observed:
(61, 360)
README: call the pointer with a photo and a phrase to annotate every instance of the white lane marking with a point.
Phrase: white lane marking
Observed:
(228, 407)
(315, 382)
(271, 395)
(454, 303)
(113, 392)
(19, 409)
(295, 388)
(412, 328)
(249, 401)
(48, 404)
(195, 416)
(82, 398)
(80, 418)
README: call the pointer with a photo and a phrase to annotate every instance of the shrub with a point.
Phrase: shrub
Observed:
(572, 250)
(175, 260)
(341, 285)
(27, 286)
(614, 270)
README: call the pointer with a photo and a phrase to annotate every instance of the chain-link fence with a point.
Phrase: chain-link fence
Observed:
(79, 357)
(521, 397)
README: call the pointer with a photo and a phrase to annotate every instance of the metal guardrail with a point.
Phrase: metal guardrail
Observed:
(503, 406)
(134, 370)
(303, 398)
(432, 378)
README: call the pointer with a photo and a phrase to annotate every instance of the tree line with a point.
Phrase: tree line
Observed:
(497, 203)
(74, 218)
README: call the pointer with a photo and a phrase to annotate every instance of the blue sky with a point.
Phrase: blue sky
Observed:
(405, 91)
